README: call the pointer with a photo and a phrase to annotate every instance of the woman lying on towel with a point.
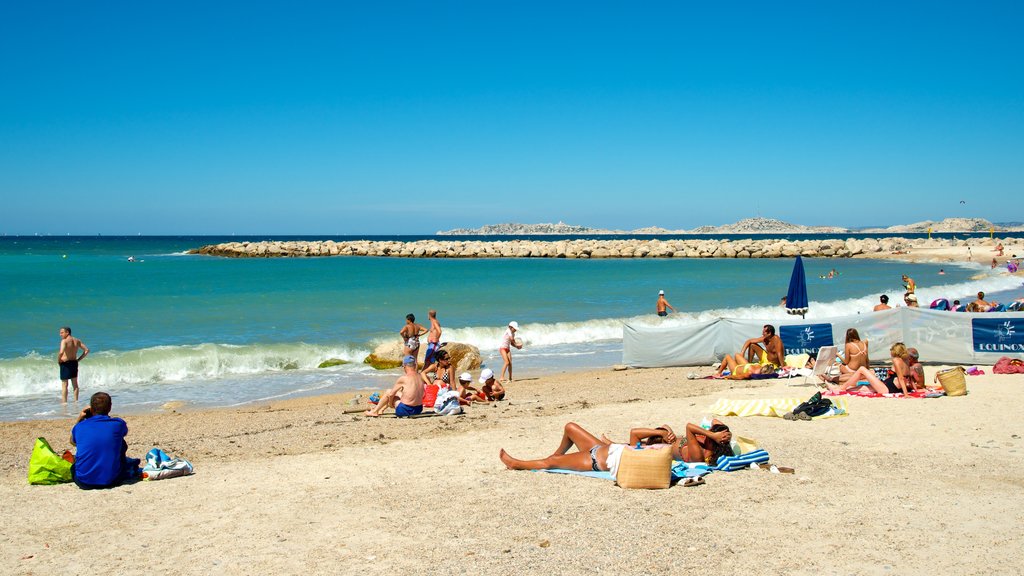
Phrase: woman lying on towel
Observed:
(601, 454)
(899, 380)
(740, 369)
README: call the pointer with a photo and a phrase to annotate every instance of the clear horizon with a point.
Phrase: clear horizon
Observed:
(338, 119)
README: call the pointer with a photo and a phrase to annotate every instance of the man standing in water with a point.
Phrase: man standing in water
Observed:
(68, 359)
(411, 333)
(663, 304)
(433, 338)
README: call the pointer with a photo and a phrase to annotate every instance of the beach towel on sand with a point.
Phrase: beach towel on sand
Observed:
(867, 392)
(681, 470)
(774, 407)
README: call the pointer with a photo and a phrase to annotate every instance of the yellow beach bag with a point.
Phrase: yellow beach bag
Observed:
(953, 381)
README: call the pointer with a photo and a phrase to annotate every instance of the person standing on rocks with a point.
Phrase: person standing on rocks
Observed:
(663, 304)
(433, 338)
(411, 333)
(508, 340)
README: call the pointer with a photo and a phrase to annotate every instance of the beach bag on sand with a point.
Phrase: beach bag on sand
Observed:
(447, 403)
(46, 467)
(953, 381)
(648, 469)
(160, 466)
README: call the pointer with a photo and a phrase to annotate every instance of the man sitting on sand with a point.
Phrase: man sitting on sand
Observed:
(764, 350)
(406, 396)
(101, 449)
(883, 304)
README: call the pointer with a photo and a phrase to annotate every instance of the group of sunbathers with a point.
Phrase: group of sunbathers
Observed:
(905, 376)
(416, 390)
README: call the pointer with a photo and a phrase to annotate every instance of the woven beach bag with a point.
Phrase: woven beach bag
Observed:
(648, 469)
(953, 381)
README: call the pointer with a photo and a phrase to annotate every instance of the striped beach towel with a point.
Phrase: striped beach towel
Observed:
(769, 407)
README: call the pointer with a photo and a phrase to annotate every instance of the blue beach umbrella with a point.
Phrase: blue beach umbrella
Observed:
(796, 298)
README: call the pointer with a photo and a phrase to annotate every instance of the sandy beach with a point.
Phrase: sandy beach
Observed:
(901, 486)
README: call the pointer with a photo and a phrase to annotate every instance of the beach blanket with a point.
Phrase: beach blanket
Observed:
(867, 392)
(682, 470)
(774, 407)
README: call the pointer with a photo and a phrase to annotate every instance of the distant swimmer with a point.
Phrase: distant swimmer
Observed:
(941, 271)
(433, 338)
(663, 304)
(68, 359)
(883, 304)
(131, 258)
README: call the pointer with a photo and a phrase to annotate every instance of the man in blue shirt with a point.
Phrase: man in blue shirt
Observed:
(100, 457)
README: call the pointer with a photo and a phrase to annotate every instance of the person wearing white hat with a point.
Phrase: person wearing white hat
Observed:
(491, 388)
(508, 340)
(663, 304)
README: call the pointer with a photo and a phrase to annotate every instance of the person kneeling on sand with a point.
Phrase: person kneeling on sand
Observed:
(491, 388)
(406, 396)
(467, 393)
(600, 454)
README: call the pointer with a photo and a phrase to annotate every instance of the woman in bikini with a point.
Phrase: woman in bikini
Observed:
(898, 381)
(411, 333)
(740, 369)
(855, 355)
(601, 454)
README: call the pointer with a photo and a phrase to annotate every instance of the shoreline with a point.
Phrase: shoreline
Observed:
(617, 248)
(299, 486)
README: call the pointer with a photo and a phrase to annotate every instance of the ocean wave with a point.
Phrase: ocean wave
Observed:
(36, 374)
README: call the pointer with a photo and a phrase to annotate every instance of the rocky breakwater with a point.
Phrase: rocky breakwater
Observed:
(583, 248)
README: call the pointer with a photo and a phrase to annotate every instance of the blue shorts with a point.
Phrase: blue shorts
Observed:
(68, 369)
(432, 348)
(403, 411)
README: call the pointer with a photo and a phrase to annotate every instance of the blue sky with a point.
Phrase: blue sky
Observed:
(337, 118)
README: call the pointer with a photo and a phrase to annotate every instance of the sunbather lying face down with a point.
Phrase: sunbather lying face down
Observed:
(601, 454)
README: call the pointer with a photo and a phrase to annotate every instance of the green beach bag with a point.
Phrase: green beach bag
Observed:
(46, 466)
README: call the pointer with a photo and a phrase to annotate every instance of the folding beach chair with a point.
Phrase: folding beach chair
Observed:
(823, 364)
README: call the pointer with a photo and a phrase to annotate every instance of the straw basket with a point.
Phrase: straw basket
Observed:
(953, 381)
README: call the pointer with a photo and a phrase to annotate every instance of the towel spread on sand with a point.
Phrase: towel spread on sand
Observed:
(769, 407)
(867, 392)
(681, 470)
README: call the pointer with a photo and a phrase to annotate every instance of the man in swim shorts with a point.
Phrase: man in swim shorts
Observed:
(68, 359)
(433, 338)
(411, 333)
(406, 396)
(764, 350)
(663, 304)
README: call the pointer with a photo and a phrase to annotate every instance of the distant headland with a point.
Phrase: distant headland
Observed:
(747, 226)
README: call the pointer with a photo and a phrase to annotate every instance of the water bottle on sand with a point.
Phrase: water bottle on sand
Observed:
(705, 422)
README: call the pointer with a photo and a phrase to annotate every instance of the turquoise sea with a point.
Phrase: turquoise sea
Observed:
(221, 332)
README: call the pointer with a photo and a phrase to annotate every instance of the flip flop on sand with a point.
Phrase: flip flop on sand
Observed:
(691, 482)
(775, 469)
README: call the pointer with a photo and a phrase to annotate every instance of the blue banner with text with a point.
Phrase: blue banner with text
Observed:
(805, 338)
(998, 334)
